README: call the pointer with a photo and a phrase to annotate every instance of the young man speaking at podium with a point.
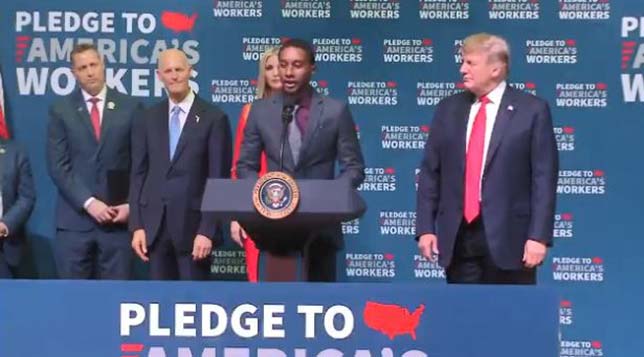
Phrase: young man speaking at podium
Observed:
(322, 132)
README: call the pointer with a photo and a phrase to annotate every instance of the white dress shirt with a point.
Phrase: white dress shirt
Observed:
(491, 110)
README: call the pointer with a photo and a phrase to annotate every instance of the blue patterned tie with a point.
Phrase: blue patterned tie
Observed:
(175, 129)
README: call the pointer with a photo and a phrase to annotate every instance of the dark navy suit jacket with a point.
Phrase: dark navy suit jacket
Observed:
(18, 198)
(78, 163)
(519, 178)
(175, 187)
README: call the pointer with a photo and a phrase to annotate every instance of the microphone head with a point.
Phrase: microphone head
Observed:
(288, 108)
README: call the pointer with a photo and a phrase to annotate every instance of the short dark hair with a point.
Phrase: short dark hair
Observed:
(301, 44)
(80, 48)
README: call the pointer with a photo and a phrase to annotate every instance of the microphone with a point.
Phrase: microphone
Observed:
(288, 107)
(287, 111)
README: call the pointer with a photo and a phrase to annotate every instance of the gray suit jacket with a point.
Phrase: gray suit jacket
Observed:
(330, 137)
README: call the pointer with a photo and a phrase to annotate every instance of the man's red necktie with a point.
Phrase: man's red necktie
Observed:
(95, 117)
(474, 164)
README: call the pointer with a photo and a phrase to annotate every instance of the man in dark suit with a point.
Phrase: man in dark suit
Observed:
(321, 134)
(181, 142)
(17, 199)
(486, 195)
(88, 158)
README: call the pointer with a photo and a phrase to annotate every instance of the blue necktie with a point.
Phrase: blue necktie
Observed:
(175, 129)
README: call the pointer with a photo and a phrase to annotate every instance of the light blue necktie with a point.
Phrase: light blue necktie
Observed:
(175, 129)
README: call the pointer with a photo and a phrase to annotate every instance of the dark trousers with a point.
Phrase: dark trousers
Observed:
(169, 263)
(473, 264)
(102, 253)
(5, 270)
(321, 255)
(316, 262)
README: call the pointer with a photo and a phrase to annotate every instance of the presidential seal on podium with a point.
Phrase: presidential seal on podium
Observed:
(276, 195)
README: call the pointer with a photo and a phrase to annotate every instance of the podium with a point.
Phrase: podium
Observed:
(283, 243)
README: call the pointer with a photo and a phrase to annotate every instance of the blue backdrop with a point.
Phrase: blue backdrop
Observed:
(392, 61)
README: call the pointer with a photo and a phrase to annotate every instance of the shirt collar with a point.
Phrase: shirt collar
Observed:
(185, 104)
(101, 95)
(497, 93)
(304, 99)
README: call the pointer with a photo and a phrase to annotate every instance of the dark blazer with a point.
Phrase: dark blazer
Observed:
(78, 163)
(519, 177)
(158, 185)
(18, 198)
(330, 137)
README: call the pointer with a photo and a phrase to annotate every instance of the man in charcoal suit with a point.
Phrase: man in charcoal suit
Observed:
(321, 134)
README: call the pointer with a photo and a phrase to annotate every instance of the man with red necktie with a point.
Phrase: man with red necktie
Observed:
(487, 186)
(88, 158)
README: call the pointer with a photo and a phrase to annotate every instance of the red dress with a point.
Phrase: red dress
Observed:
(252, 253)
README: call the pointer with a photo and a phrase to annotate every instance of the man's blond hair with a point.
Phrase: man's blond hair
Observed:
(496, 48)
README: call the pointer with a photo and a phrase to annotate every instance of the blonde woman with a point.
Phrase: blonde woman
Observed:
(268, 82)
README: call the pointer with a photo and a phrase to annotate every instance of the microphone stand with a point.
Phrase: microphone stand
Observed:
(287, 117)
